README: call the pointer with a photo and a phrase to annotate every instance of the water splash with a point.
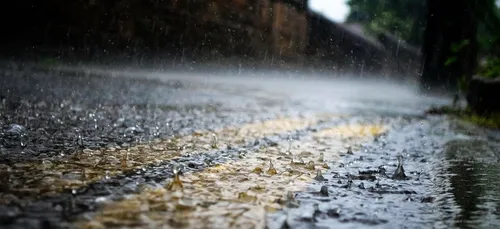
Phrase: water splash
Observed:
(324, 191)
(319, 176)
(176, 183)
(349, 150)
(271, 171)
(16, 129)
(310, 165)
(214, 143)
(257, 170)
(124, 161)
(399, 174)
(321, 157)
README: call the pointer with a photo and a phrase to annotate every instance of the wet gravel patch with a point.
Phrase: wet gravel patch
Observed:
(51, 114)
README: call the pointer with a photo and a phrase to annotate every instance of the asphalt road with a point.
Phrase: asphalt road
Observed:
(95, 148)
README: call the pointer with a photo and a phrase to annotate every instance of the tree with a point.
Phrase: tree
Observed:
(404, 18)
(452, 41)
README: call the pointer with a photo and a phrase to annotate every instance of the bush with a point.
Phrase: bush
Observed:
(491, 68)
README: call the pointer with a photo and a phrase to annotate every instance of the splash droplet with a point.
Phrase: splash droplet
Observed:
(321, 157)
(16, 129)
(399, 174)
(349, 181)
(214, 143)
(310, 165)
(323, 191)
(257, 170)
(176, 183)
(289, 150)
(319, 176)
(271, 171)
(349, 150)
(124, 161)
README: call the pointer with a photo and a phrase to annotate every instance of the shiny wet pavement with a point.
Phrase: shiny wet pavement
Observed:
(94, 148)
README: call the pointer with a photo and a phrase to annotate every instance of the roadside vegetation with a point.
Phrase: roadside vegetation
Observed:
(468, 42)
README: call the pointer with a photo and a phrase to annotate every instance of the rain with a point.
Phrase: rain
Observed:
(250, 114)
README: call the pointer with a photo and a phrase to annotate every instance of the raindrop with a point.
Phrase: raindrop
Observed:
(349, 181)
(349, 150)
(323, 191)
(319, 176)
(257, 170)
(289, 150)
(176, 183)
(399, 174)
(271, 171)
(214, 143)
(23, 141)
(310, 165)
(321, 156)
(80, 140)
(124, 161)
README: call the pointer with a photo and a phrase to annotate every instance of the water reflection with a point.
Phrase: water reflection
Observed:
(466, 191)
(475, 185)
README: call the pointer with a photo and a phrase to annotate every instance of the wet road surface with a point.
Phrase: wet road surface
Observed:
(93, 148)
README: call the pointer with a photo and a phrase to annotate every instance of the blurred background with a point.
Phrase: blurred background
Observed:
(444, 42)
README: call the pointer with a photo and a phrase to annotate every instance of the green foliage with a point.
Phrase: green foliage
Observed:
(455, 49)
(491, 68)
(400, 17)
(490, 121)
